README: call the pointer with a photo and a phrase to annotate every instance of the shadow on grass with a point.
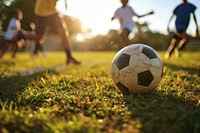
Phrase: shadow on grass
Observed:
(190, 70)
(12, 86)
(7, 63)
(164, 113)
(4, 65)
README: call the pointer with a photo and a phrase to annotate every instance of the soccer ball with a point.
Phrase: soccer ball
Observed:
(136, 68)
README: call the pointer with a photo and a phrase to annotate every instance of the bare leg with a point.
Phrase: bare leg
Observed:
(6, 47)
(124, 34)
(62, 31)
(38, 40)
(183, 41)
(171, 48)
(33, 37)
(16, 47)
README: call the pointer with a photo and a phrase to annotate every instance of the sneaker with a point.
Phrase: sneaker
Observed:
(73, 61)
(14, 56)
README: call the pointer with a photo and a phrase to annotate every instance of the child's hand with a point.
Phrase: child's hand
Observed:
(65, 4)
(152, 12)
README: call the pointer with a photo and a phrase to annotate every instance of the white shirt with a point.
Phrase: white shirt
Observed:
(124, 15)
(13, 26)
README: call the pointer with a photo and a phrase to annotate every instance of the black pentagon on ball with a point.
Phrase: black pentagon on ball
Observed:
(123, 88)
(145, 78)
(149, 52)
(122, 61)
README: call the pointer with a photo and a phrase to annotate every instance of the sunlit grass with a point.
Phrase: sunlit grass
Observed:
(84, 99)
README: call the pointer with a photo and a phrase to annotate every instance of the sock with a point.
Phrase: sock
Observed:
(68, 53)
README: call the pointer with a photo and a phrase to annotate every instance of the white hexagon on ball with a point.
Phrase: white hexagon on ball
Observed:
(136, 68)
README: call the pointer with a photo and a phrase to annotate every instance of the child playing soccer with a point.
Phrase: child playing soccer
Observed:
(47, 15)
(35, 48)
(182, 13)
(124, 14)
(13, 33)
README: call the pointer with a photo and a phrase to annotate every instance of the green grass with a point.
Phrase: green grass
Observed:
(84, 99)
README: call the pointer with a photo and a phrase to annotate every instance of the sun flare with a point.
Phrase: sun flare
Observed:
(93, 18)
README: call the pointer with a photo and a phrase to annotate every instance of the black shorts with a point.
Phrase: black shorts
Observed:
(178, 34)
(41, 23)
(180, 31)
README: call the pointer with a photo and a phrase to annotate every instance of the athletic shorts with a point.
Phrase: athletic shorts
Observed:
(178, 34)
(180, 31)
(19, 35)
(127, 31)
(53, 21)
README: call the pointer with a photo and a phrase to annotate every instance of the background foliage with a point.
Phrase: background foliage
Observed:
(110, 41)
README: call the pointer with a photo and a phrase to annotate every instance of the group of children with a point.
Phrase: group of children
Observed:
(182, 12)
(47, 16)
(44, 16)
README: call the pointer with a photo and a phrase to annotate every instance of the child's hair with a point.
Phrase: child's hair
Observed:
(18, 12)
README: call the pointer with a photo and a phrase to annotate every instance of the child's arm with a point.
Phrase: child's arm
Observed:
(152, 12)
(195, 20)
(112, 18)
(169, 23)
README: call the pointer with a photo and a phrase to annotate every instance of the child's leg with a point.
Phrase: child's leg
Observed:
(5, 48)
(40, 47)
(16, 47)
(124, 34)
(37, 47)
(171, 48)
(61, 30)
(184, 40)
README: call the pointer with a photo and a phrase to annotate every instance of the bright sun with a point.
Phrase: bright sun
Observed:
(92, 17)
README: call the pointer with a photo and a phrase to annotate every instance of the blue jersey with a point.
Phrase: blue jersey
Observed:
(182, 13)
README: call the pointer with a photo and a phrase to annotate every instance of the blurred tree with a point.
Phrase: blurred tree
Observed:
(115, 42)
(74, 25)
(3, 8)
(111, 41)
(144, 35)
(27, 7)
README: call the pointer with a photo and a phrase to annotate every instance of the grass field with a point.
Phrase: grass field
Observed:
(84, 99)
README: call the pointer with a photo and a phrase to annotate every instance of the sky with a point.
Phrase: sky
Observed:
(96, 14)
